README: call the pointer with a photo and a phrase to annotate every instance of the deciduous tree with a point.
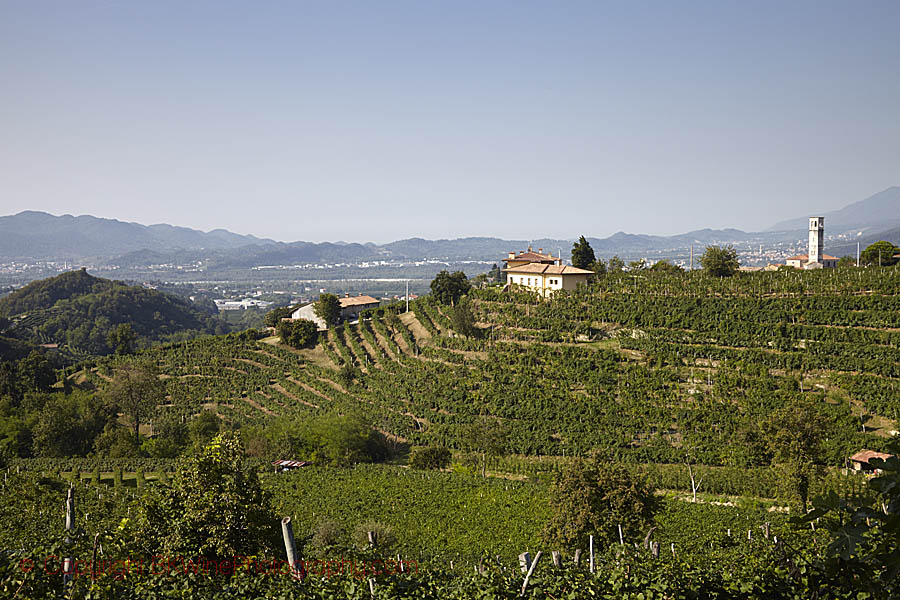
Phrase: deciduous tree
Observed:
(593, 497)
(448, 288)
(298, 333)
(879, 254)
(136, 390)
(720, 261)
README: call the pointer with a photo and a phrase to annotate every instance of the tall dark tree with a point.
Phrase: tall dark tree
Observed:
(720, 261)
(448, 288)
(463, 320)
(582, 254)
(328, 308)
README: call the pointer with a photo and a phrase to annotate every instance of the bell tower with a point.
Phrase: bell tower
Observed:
(816, 239)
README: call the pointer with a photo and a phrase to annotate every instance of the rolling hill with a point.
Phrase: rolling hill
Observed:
(77, 310)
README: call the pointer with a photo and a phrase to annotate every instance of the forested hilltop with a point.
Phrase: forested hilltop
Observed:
(651, 409)
(94, 316)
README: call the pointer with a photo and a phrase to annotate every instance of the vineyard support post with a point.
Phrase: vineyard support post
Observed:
(534, 563)
(70, 526)
(525, 561)
(556, 558)
(591, 551)
(290, 547)
(577, 556)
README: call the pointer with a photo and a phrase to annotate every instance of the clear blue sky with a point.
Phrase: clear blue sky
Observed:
(382, 120)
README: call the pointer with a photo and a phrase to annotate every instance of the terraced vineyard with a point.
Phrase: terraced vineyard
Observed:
(649, 369)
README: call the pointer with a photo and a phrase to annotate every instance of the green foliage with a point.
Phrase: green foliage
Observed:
(582, 254)
(592, 497)
(215, 508)
(121, 339)
(273, 317)
(298, 333)
(720, 261)
(448, 288)
(203, 428)
(664, 266)
(136, 390)
(68, 424)
(846, 261)
(340, 440)
(85, 313)
(462, 318)
(430, 457)
(487, 436)
(793, 435)
(615, 264)
(328, 308)
(879, 254)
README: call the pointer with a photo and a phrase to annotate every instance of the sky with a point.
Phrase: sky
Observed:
(376, 121)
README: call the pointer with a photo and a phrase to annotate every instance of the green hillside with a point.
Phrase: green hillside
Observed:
(79, 310)
(667, 369)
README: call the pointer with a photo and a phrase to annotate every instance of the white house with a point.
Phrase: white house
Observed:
(351, 306)
(546, 278)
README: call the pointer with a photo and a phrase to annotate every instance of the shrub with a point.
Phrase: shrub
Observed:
(326, 535)
(384, 534)
(432, 457)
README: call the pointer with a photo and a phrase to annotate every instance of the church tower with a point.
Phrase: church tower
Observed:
(816, 240)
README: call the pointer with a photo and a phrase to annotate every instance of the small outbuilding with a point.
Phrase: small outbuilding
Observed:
(860, 460)
(289, 465)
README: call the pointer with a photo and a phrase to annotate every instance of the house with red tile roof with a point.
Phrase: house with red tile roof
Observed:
(542, 273)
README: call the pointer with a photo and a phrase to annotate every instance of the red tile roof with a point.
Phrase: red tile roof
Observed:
(548, 269)
(864, 456)
(532, 257)
(805, 257)
(357, 301)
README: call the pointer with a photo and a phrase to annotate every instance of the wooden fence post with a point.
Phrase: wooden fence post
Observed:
(577, 556)
(654, 549)
(556, 558)
(290, 547)
(373, 538)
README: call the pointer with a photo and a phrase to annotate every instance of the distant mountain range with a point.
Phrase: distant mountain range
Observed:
(876, 213)
(35, 235)
(39, 235)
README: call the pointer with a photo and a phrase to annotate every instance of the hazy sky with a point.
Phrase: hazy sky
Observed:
(373, 121)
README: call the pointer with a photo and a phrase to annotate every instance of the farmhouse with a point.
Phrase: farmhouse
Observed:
(542, 273)
(351, 306)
